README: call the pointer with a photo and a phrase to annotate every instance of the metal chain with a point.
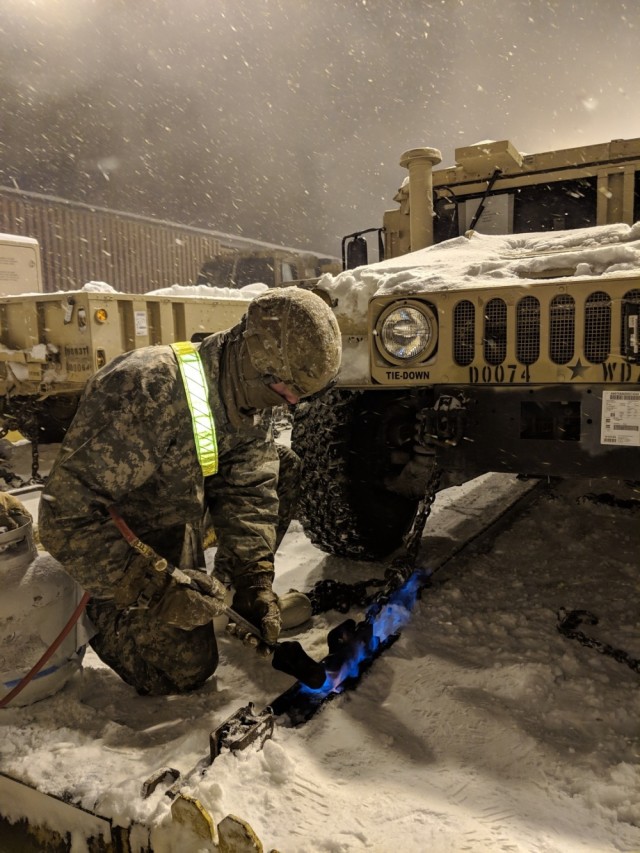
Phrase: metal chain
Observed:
(414, 536)
(330, 594)
(567, 625)
(337, 595)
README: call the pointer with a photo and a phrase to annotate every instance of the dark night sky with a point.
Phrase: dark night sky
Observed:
(284, 120)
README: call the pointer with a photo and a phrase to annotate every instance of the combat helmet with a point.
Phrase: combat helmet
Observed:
(292, 336)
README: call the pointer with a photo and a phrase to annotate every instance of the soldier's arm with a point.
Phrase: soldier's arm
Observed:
(110, 450)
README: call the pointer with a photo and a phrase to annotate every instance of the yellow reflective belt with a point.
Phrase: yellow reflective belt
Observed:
(195, 386)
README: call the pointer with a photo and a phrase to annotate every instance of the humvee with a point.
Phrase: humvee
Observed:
(500, 333)
(271, 267)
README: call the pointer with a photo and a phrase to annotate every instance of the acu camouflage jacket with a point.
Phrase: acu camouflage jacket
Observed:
(131, 444)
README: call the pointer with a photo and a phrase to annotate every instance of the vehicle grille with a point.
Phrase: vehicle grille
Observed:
(597, 327)
(464, 323)
(590, 321)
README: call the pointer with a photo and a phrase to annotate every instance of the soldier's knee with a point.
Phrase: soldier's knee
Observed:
(184, 675)
(154, 658)
(189, 663)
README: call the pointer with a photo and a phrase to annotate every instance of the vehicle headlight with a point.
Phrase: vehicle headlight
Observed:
(407, 332)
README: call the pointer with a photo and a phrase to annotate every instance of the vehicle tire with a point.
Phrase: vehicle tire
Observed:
(343, 440)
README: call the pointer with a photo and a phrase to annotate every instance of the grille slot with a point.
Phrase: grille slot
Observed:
(495, 331)
(464, 331)
(630, 325)
(562, 336)
(597, 327)
(528, 330)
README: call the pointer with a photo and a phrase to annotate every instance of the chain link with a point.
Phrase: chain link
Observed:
(568, 622)
(414, 536)
(337, 595)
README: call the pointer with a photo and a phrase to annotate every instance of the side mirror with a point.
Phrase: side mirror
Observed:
(357, 253)
(354, 246)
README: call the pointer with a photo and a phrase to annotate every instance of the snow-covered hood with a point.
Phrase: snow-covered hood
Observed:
(481, 260)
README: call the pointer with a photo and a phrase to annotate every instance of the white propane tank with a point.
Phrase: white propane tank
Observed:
(38, 598)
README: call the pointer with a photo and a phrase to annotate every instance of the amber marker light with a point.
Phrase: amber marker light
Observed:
(101, 315)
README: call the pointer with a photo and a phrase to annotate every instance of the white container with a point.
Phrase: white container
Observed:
(37, 599)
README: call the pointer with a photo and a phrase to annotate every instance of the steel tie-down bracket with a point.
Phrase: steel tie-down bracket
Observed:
(242, 729)
(237, 732)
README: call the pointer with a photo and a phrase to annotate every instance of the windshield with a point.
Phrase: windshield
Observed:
(251, 270)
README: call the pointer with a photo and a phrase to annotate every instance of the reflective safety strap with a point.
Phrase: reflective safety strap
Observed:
(195, 386)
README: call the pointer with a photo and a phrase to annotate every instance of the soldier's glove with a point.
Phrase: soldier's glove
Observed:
(140, 584)
(184, 600)
(12, 512)
(188, 606)
(257, 602)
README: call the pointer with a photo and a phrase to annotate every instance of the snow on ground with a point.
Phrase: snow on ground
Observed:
(481, 729)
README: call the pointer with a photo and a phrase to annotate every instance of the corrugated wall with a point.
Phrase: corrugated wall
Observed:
(79, 244)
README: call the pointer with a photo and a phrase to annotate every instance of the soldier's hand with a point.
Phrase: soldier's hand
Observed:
(207, 584)
(187, 607)
(139, 578)
(12, 512)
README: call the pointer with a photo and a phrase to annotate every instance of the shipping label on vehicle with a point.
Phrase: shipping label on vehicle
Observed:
(142, 327)
(620, 423)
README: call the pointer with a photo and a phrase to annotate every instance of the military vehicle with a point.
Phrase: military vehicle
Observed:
(271, 267)
(500, 333)
(52, 343)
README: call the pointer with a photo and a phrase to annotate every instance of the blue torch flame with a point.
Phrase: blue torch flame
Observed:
(385, 620)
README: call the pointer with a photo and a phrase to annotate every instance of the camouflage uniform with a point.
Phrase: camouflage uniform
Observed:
(131, 445)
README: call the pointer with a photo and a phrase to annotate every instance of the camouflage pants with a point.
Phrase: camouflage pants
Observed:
(288, 486)
(148, 654)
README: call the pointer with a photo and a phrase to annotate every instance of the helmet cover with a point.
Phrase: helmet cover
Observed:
(292, 336)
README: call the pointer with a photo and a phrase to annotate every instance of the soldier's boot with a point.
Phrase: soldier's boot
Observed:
(295, 609)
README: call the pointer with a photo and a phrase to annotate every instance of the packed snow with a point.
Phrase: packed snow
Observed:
(202, 291)
(481, 729)
(205, 291)
(482, 260)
